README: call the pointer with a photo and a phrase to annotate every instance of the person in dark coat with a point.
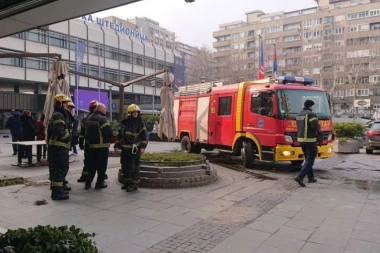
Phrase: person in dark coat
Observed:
(308, 135)
(132, 140)
(59, 138)
(98, 137)
(82, 144)
(28, 133)
(74, 129)
(14, 124)
(41, 135)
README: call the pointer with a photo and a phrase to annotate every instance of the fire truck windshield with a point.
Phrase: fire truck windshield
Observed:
(291, 103)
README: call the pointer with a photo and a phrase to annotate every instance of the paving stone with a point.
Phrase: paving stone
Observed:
(363, 246)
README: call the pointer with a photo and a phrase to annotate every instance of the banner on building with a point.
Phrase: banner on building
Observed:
(84, 98)
(179, 71)
(362, 103)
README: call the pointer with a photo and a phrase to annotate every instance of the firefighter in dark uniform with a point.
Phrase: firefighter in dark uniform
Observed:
(98, 138)
(308, 135)
(132, 140)
(59, 141)
(82, 144)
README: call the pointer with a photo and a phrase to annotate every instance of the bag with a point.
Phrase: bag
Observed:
(37, 129)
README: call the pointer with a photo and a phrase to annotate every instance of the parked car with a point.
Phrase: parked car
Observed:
(373, 138)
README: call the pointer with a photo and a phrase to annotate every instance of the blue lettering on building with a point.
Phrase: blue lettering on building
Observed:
(116, 27)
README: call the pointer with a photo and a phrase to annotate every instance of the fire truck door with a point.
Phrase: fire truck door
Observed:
(260, 119)
(221, 123)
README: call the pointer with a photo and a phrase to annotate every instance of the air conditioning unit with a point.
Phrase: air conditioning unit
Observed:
(319, 50)
(342, 97)
(305, 27)
(309, 39)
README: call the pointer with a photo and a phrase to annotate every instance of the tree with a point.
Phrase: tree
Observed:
(199, 65)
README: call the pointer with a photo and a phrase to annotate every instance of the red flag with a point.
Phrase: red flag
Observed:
(261, 58)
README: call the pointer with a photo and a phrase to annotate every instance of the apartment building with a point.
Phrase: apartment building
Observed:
(337, 43)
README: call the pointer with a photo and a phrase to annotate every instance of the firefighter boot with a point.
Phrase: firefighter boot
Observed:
(82, 179)
(100, 185)
(127, 183)
(132, 188)
(58, 193)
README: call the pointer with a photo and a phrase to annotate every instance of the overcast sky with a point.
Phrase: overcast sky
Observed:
(195, 22)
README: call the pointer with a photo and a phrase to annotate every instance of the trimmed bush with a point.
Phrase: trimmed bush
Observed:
(348, 130)
(47, 239)
(172, 158)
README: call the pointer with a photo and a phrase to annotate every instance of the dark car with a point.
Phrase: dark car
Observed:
(373, 138)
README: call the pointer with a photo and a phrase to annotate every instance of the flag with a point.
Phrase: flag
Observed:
(261, 58)
(79, 54)
(275, 66)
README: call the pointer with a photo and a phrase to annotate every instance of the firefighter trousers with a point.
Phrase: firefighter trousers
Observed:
(130, 165)
(97, 162)
(58, 163)
(85, 162)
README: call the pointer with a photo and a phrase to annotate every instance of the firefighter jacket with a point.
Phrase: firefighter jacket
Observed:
(308, 129)
(58, 129)
(83, 129)
(98, 131)
(132, 132)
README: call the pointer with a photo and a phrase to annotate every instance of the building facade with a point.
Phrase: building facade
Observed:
(337, 43)
(113, 51)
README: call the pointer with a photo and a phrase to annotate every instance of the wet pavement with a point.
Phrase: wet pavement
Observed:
(260, 210)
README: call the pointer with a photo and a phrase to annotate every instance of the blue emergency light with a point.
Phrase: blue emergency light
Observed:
(295, 79)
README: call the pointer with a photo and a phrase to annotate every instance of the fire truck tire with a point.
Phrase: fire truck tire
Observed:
(296, 163)
(188, 147)
(247, 154)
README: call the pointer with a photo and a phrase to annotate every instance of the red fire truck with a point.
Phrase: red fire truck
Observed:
(254, 119)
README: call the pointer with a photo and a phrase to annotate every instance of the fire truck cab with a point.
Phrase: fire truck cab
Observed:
(253, 119)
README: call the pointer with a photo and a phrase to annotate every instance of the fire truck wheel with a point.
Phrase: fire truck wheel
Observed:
(247, 154)
(296, 163)
(188, 147)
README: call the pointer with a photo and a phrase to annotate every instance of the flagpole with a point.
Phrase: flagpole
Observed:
(275, 62)
(99, 72)
(76, 78)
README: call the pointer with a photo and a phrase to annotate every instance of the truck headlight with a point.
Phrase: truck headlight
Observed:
(330, 137)
(287, 153)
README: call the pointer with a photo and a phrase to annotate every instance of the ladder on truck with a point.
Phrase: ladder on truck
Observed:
(195, 89)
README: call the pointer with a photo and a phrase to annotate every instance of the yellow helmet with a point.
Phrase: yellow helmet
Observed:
(70, 104)
(133, 108)
(61, 98)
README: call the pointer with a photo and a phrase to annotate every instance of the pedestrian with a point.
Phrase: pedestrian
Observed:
(74, 127)
(308, 134)
(98, 137)
(155, 130)
(41, 135)
(59, 145)
(28, 134)
(14, 124)
(132, 140)
(82, 144)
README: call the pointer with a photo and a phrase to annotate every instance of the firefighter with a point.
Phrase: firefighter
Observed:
(132, 140)
(308, 135)
(82, 144)
(98, 138)
(59, 140)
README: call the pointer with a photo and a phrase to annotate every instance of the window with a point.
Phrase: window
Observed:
(58, 40)
(225, 106)
(262, 103)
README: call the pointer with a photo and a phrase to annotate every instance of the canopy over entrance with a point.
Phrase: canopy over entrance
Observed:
(21, 15)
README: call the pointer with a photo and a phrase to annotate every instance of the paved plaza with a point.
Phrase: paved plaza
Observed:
(239, 213)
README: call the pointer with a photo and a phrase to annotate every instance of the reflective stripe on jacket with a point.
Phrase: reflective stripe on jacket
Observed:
(307, 126)
(98, 131)
(58, 129)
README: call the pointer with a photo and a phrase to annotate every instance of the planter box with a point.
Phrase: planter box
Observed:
(346, 146)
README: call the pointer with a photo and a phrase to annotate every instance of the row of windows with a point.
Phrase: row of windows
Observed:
(64, 41)
(363, 14)
(43, 64)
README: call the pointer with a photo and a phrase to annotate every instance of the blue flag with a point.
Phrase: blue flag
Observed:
(275, 66)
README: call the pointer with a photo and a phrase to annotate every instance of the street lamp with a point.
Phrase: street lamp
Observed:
(153, 83)
(110, 88)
